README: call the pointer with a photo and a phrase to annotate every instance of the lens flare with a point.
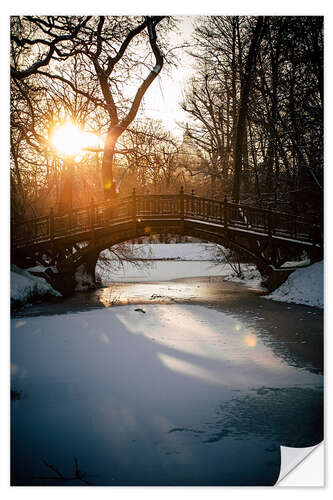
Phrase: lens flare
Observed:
(250, 340)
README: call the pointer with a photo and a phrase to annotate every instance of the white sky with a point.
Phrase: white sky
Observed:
(163, 97)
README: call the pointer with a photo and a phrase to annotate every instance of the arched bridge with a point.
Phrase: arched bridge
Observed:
(70, 239)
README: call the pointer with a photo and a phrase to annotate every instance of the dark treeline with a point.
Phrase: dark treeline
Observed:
(254, 108)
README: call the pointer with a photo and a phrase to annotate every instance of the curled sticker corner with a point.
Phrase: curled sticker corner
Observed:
(291, 458)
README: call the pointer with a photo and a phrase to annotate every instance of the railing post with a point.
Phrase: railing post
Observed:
(69, 218)
(92, 218)
(226, 217)
(192, 202)
(315, 231)
(181, 197)
(51, 224)
(295, 227)
(92, 213)
(134, 210)
(51, 219)
(34, 229)
(269, 228)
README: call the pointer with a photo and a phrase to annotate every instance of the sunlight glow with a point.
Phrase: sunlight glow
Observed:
(250, 340)
(69, 139)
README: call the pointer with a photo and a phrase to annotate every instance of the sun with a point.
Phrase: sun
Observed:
(69, 139)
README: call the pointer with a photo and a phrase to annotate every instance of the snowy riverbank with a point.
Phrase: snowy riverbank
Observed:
(304, 286)
(25, 287)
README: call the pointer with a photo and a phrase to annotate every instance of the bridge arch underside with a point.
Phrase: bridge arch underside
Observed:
(267, 252)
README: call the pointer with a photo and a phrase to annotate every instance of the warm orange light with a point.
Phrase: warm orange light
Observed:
(69, 139)
(250, 340)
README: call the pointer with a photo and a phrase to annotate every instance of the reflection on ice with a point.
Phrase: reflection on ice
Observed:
(17, 324)
(104, 338)
(189, 369)
(204, 334)
(250, 340)
(18, 371)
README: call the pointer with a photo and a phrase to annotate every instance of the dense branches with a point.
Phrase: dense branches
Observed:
(98, 60)
(255, 106)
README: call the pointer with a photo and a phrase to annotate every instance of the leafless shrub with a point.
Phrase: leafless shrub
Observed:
(230, 257)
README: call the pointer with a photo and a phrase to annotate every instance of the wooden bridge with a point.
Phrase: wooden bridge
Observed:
(67, 240)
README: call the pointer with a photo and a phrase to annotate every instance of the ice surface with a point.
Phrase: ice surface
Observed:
(180, 395)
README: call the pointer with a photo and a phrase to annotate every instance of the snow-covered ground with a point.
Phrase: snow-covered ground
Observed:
(304, 286)
(250, 275)
(173, 261)
(170, 270)
(157, 271)
(24, 286)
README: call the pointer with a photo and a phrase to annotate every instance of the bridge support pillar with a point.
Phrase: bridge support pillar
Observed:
(84, 274)
(276, 278)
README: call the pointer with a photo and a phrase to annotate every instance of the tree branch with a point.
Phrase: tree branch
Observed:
(21, 74)
(159, 59)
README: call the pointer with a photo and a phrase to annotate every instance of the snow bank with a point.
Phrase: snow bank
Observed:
(304, 286)
(25, 286)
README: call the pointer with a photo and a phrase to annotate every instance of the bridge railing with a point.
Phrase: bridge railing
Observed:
(268, 222)
(157, 205)
(96, 215)
(36, 229)
(178, 206)
(203, 209)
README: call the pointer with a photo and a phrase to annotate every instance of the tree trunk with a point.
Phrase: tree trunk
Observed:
(243, 106)
(269, 162)
(108, 174)
(246, 174)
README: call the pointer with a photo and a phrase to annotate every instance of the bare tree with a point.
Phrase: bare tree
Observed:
(255, 108)
(113, 52)
(246, 83)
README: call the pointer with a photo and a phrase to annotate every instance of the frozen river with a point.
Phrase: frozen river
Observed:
(195, 381)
